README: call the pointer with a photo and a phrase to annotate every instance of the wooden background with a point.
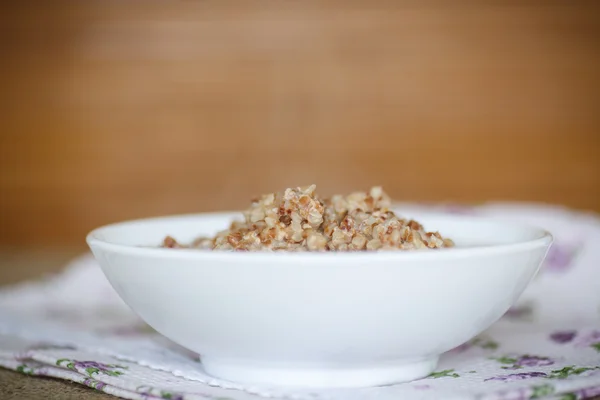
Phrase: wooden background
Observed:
(117, 110)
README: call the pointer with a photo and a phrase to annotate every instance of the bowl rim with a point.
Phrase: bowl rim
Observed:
(543, 239)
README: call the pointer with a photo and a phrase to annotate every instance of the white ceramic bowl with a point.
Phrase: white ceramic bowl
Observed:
(320, 319)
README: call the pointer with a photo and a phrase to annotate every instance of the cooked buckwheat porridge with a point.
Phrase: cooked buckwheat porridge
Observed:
(300, 220)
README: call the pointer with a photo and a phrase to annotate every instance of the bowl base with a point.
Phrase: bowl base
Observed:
(319, 376)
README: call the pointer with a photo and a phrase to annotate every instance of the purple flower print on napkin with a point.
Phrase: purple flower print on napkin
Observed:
(562, 337)
(94, 384)
(518, 377)
(533, 361)
(91, 367)
(525, 360)
(560, 257)
(591, 339)
(481, 342)
(520, 312)
(92, 364)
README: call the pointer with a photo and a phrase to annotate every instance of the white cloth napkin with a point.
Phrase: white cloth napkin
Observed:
(74, 327)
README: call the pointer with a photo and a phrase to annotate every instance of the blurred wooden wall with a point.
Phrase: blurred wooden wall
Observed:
(115, 110)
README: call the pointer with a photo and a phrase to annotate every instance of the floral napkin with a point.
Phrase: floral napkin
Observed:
(74, 327)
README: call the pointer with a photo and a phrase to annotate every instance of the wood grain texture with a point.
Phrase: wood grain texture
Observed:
(115, 110)
(17, 386)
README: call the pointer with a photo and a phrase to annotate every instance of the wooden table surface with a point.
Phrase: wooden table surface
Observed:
(16, 386)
